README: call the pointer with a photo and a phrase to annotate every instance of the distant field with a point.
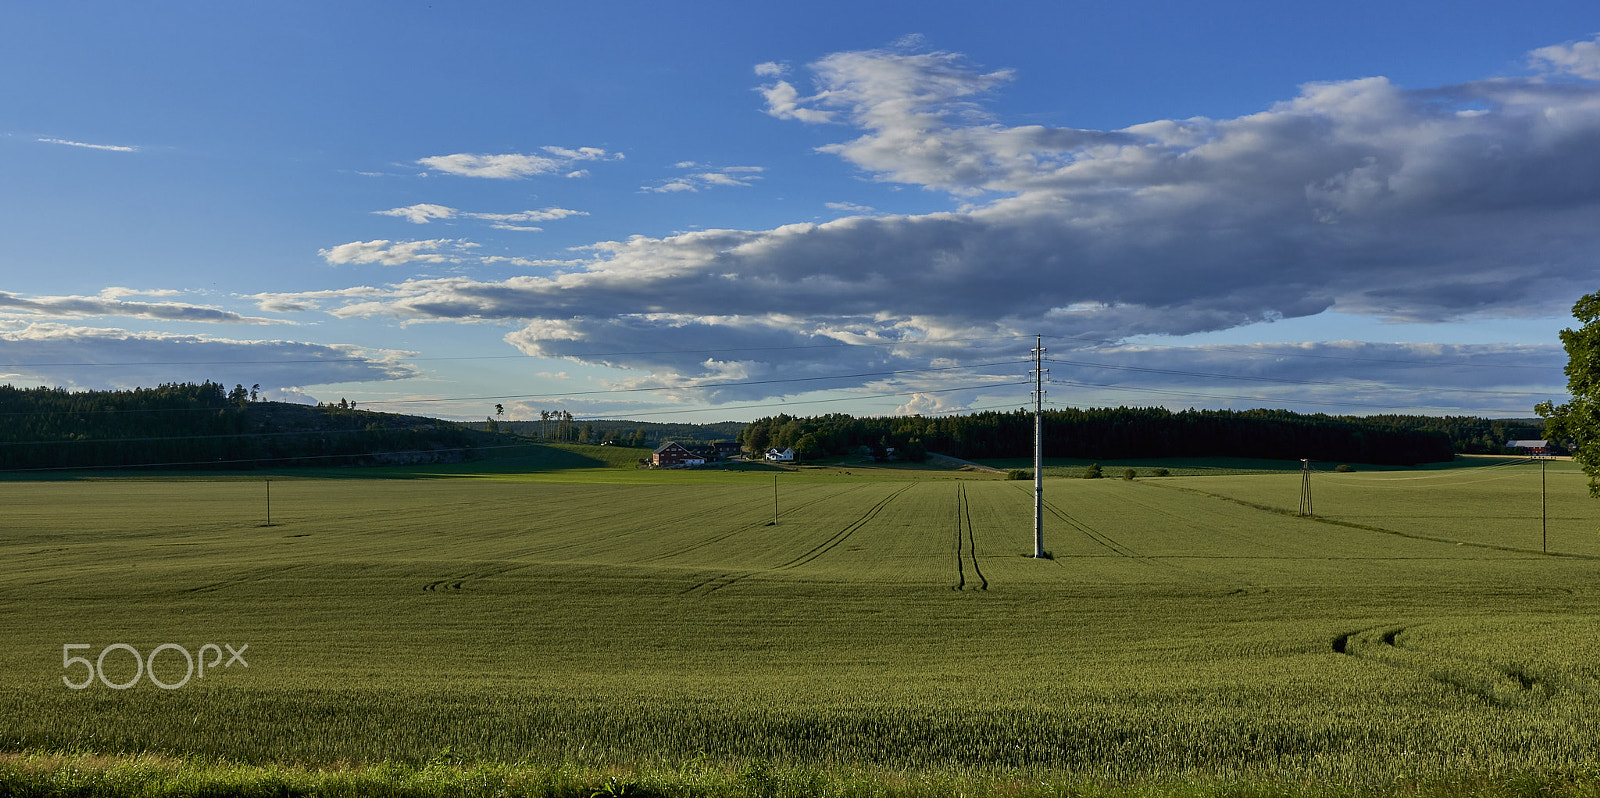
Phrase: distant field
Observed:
(633, 625)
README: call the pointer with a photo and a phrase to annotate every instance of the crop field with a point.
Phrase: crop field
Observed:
(815, 631)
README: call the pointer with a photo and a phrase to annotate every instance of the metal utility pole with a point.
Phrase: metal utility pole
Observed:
(1038, 447)
(1305, 487)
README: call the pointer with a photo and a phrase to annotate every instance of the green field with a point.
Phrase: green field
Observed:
(576, 631)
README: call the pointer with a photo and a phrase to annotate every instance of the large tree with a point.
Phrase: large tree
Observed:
(1577, 423)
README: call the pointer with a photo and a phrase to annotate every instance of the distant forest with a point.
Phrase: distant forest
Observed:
(184, 425)
(643, 434)
(1105, 433)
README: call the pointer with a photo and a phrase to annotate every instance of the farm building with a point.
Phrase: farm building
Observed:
(673, 455)
(780, 455)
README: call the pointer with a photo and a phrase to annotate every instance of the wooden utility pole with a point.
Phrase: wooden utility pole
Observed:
(1038, 447)
(1305, 487)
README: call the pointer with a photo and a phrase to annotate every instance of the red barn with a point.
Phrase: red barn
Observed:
(673, 455)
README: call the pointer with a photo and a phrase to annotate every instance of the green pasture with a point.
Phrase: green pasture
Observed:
(662, 633)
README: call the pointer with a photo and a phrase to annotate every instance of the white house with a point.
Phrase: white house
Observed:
(780, 455)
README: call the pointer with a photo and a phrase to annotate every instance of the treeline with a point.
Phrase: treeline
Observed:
(643, 434)
(1107, 433)
(203, 425)
(1469, 434)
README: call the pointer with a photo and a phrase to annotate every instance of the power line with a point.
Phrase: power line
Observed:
(565, 394)
(1282, 353)
(1270, 400)
(1284, 380)
(243, 461)
(601, 416)
(688, 387)
(1118, 342)
(713, 351)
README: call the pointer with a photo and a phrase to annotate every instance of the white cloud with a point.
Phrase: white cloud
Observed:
(771, 69)
(784, 102)
(87, 146)
(849, 207)
(515, 165)
(421, 214)
(390, 253)
(294, 395)
(726, 176)
(1579, 59)
(546, 215)
(111, 303)
(927, 404)
(425, 213)
(1469, 201)
(93, 357)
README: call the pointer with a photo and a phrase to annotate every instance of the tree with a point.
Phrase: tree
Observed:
(1578, 421)
(808, 447)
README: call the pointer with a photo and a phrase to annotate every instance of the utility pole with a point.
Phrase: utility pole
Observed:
(1544, 532)
(1038, 447)
(1305, 487)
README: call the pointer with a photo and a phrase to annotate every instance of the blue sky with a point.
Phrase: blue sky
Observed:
(728, 211)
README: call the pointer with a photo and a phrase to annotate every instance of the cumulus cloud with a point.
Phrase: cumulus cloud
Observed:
(927, 404)
(512, 166)
(1467, 201)
(92, 357)
(1579, 59)
(110, 302)
(88, 146)
(392, 253)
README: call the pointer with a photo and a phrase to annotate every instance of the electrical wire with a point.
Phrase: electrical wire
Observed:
(1284, 380)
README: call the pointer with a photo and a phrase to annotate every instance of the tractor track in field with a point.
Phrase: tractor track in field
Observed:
(964, 528)
(657, 522)
(1370, 528)
(719, 582)
(1470, 676)
(700, 544)
(260, 575)
(1109, 543)
(455, 584)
